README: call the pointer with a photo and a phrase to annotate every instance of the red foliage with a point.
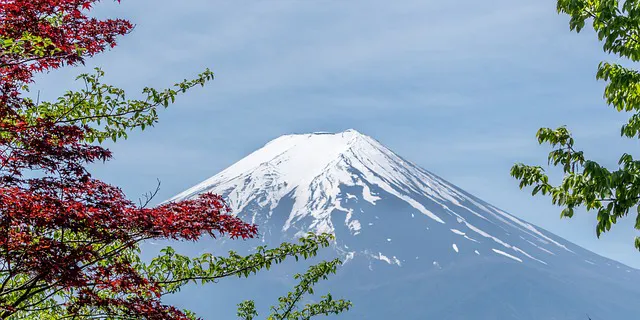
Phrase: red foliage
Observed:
(47, 193)
(75, 29)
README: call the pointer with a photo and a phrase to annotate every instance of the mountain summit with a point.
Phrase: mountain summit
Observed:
(403, 230)
(312, 167)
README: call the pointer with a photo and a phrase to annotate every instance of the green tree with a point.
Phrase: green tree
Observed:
(612, 193)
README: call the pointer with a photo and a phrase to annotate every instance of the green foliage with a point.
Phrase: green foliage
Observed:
(287, 308)
(106, 108)
(247, 310)
(612, 194)
(172, 270)
(28, 45)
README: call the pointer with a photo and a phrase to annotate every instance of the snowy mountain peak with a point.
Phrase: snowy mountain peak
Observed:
(295, 158)
(313, 167)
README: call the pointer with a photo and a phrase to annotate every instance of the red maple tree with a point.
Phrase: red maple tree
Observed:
(65, 237)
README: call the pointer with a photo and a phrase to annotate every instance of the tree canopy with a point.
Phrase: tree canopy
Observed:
(612, 193)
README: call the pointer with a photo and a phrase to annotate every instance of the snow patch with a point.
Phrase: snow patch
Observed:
(458, 232)
(367, 195)
(506, 255)
(354, 226)
(349, 256)
(386, 259)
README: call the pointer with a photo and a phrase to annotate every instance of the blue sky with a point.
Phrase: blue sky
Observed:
(458, 87)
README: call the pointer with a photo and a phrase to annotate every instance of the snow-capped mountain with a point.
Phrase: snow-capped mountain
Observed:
(414, 244)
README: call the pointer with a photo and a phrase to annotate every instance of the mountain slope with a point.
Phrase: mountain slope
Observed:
(402, 229)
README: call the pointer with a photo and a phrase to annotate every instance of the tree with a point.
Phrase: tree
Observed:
(69, 243)
(612, 193)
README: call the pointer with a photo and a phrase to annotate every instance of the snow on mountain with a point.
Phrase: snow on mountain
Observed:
(387, 212)
(312, 168)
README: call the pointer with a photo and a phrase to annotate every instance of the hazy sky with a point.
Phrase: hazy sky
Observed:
(458, 87)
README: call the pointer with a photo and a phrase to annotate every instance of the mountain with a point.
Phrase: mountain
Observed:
(414, 245)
